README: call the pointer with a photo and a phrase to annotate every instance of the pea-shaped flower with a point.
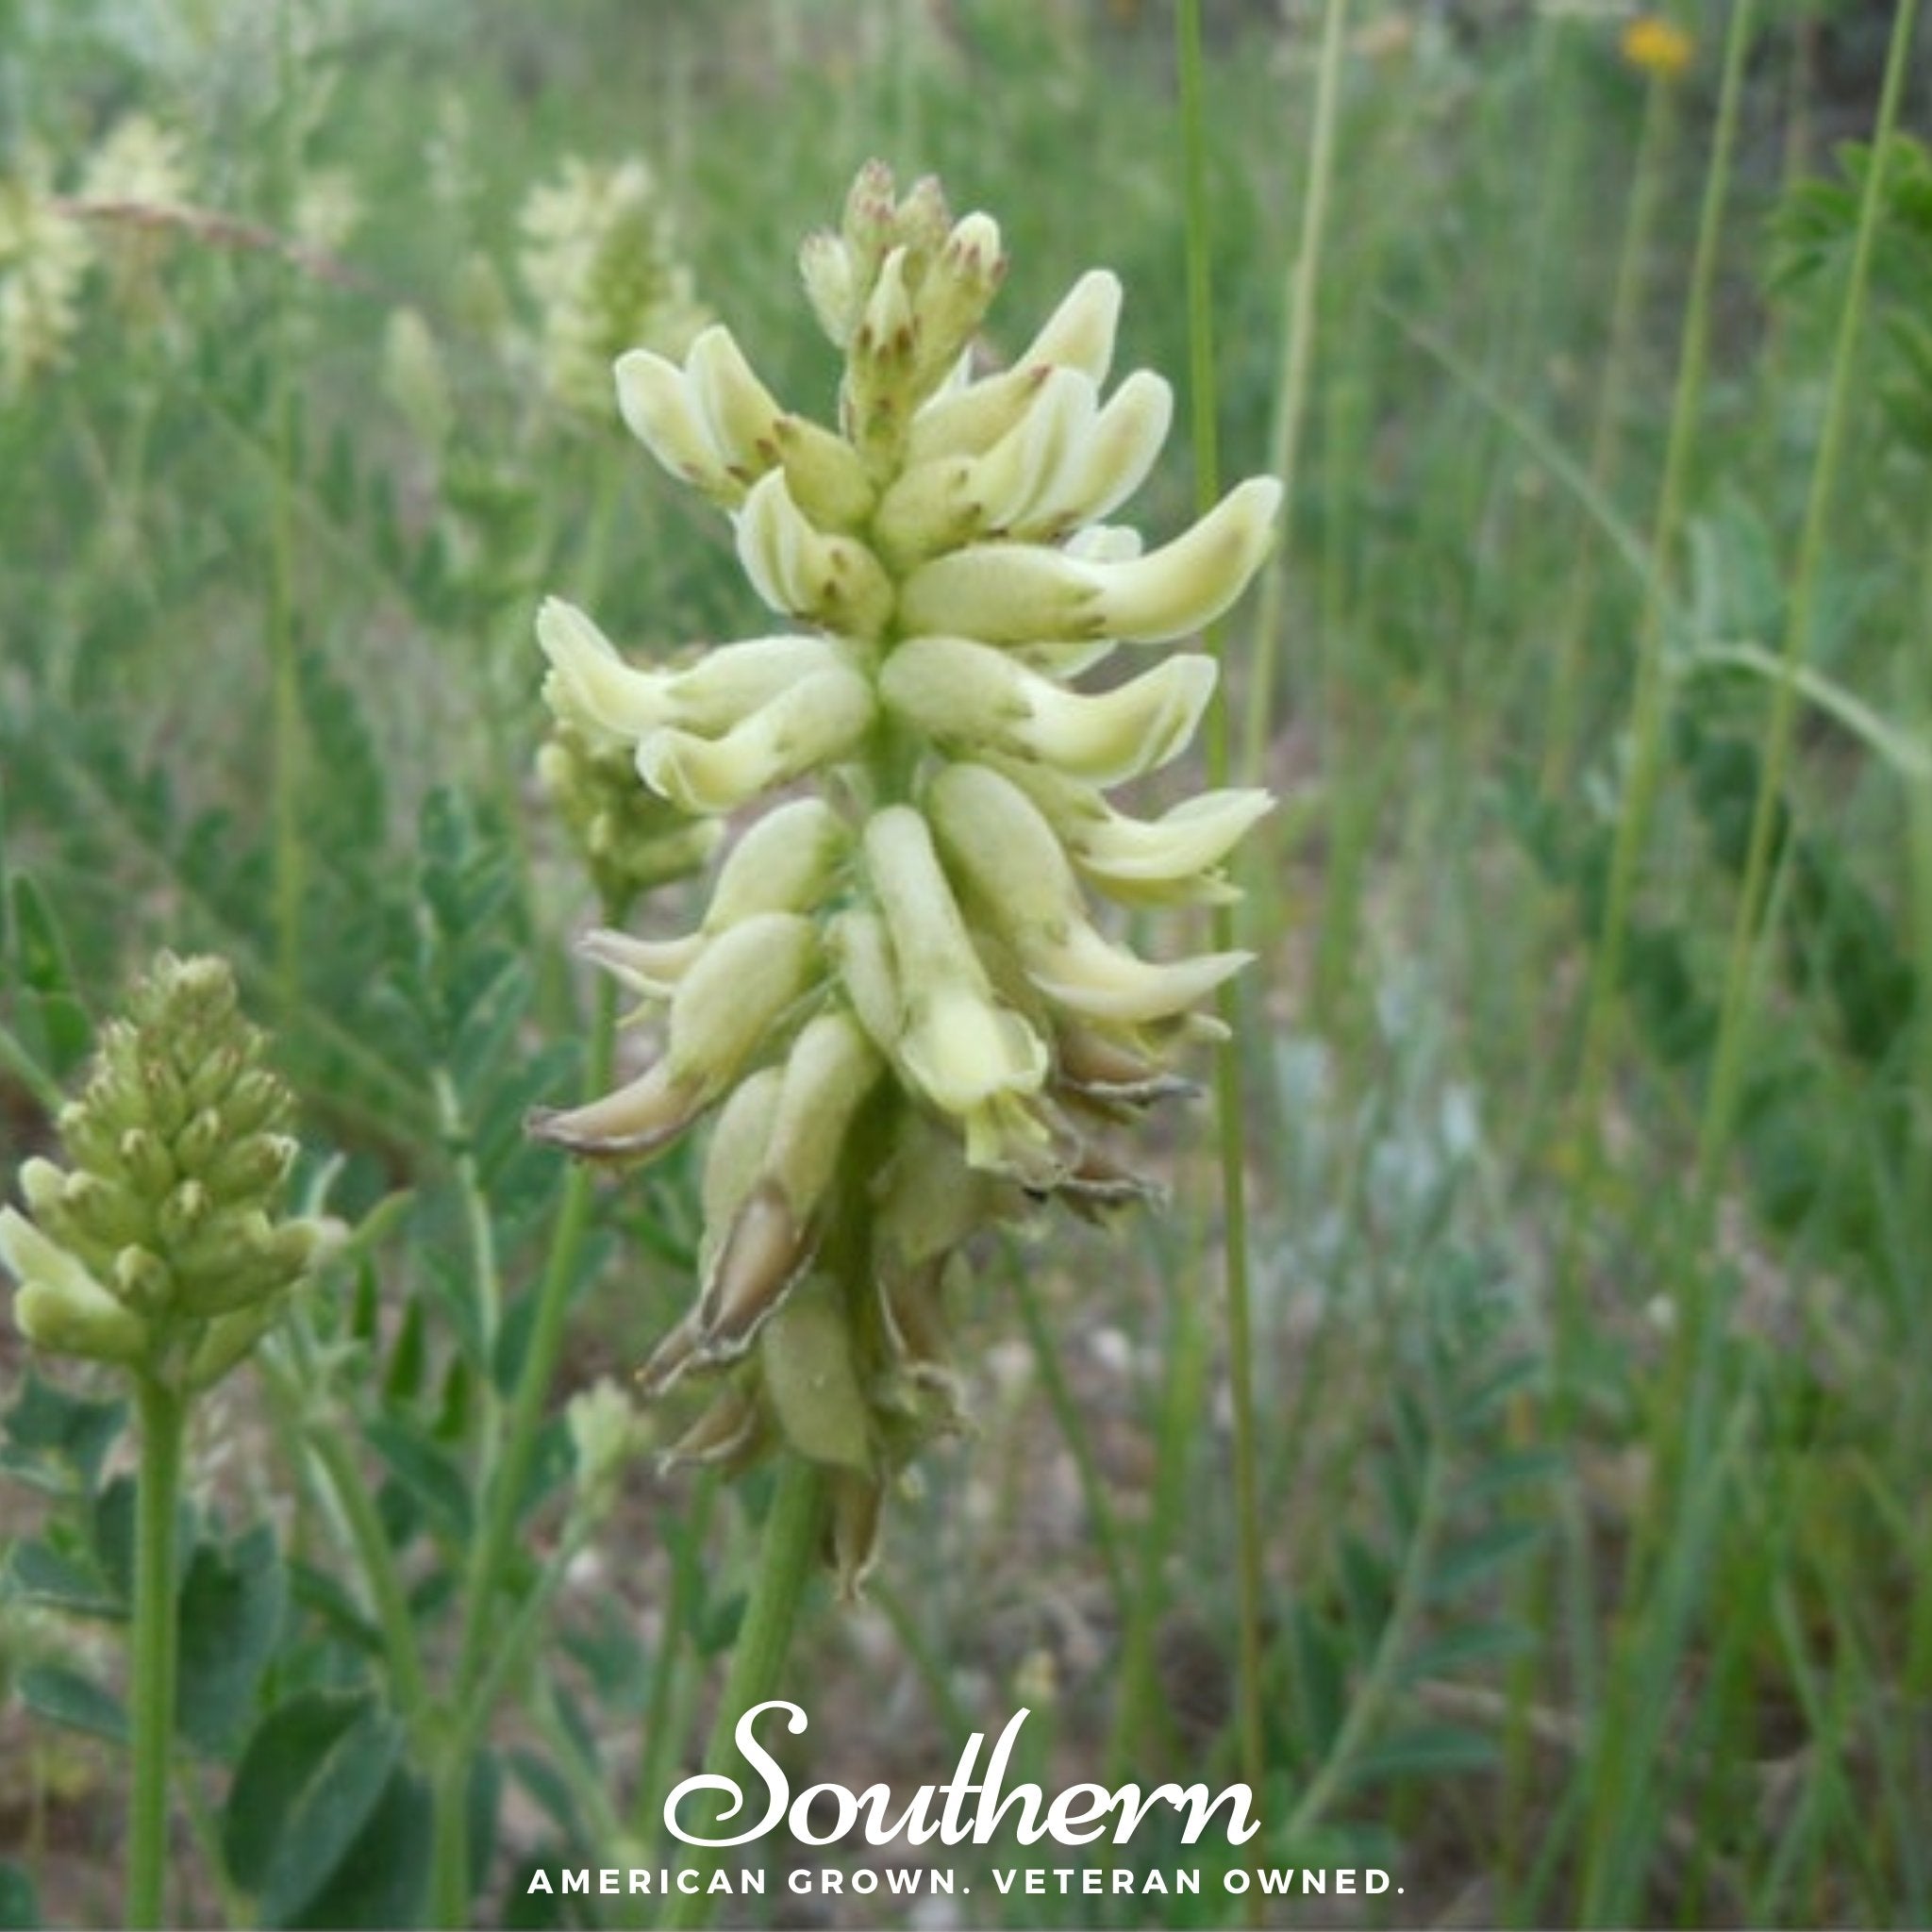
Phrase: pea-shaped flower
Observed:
(901, 995)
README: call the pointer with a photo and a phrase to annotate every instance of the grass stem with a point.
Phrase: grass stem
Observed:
(1605, 446)
(1801, 618)
(1228, 1066)
(505, 1485)
(1298, 358)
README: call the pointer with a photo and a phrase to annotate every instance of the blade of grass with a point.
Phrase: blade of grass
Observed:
(1228, 1066)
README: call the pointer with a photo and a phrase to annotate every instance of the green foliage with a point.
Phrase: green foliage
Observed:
(1558, 1461)
(319, 1806)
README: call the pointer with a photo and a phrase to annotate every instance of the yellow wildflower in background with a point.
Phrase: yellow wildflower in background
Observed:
(1658, 47)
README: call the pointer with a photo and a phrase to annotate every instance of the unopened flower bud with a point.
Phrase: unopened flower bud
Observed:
(828, 580)
(606, 1432)
(773, 1231)
(227, 1341)
(955, 294)
(631, 841)
(199, 1141)
(813, 1380)
(826, 266)
(104, 1214)
(825, 475)
(60, 1305)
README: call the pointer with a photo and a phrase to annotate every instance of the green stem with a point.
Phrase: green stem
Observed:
(1284, 453)
(286, 720)
(660, 1713)
(1605, 438)
(492, 1552)
(791, 1552)
(17, 1060)
(1137, 1710)
(1228, 1065)
(512, 1646)
(363, 1522)
(1060, 1398)
(480, 1233)
(163, 1418)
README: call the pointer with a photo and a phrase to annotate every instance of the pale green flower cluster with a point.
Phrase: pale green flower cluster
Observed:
(140, 171)
(327, 209)
(899, 995)
(140, 162)
(599, 257)
(45, 258)
(162, 1246)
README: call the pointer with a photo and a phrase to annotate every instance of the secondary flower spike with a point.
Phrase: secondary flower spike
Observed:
(162, 1244)
(900, 1001)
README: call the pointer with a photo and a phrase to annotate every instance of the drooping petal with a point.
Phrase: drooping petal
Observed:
(974, 698)
(818, 719)
(1167, 860)
(1091, 976)
(1188, 583)
(590, 685)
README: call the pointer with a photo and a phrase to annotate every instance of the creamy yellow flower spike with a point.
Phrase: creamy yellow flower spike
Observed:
(899, 998)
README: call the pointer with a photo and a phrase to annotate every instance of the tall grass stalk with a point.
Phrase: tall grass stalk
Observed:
(1750, 928)
(1228, 1066)
(1648, 714)
(1612, 401)
(1685, 1510)
(1138, 1714)
(1646, 730)
(660, 1727)
(1298, 357)
(287, 748)
(1066, 1412)
(504, 1485)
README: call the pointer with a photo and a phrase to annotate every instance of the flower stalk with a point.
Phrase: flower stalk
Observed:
(163, 1419)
